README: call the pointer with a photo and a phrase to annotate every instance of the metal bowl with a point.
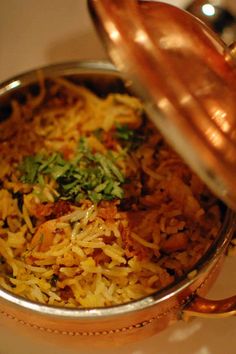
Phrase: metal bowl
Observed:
(137, 319)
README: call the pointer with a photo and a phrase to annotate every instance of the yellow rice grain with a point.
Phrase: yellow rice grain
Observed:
(144, 242)
(27, 219)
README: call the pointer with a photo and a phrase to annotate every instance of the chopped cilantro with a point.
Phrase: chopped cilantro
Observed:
(130, 138)
(88, 175)
(30, 168)
(123, 132)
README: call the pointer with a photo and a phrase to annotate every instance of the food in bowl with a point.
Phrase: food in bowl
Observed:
(95, 208)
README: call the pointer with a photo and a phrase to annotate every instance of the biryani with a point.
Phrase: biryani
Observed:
(95, 208)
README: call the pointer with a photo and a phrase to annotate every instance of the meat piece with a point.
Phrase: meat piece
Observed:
(66, 293)
(60, 208)
(51, 210)
(107, 210)
(176, 242)
(43, 238)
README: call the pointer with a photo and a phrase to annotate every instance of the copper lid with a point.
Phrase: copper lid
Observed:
(187, 77)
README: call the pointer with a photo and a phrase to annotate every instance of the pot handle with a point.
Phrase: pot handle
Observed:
(205, 308)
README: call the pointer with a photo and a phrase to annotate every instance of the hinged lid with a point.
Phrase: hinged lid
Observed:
(187, 77)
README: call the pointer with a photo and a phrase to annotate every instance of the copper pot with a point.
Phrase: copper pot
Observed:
(136, 319)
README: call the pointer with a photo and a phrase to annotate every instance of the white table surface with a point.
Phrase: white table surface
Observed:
(34, 33)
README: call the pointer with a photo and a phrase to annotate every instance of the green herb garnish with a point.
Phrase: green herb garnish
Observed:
(130, 138)
(30, 167)
(54, 279)
(88, 176)
(123, 132)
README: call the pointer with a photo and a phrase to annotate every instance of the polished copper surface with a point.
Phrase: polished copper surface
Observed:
(218, 15)
(127, 322)
(201, 307)
(187, 77)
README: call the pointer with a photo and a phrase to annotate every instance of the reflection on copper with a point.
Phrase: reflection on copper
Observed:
(173, 41)
(220, 117)
(114, 33)
(221, 114)
(186, 99)
(232, 48)
(141, 37)
(163, 103)
(208, 10)
(214, 137)
(201, 307)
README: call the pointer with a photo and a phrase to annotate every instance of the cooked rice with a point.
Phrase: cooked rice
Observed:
(85, 254)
